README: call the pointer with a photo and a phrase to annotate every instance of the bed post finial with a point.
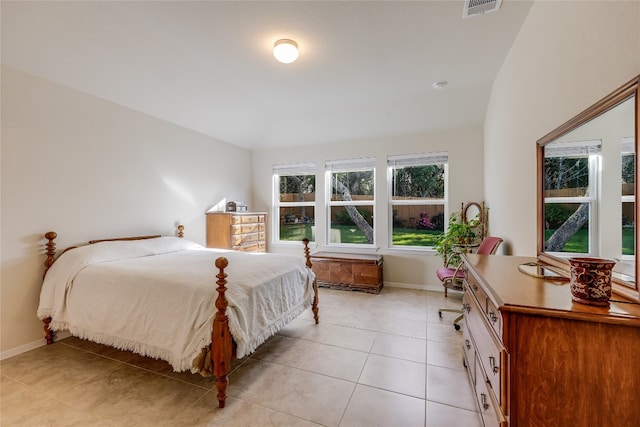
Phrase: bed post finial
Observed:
(181, 231)
(51, 249)
(221, 345)
(306, 252)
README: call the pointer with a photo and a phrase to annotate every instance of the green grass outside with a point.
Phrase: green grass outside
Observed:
(413, 237)
(352, 234)
(579, 242)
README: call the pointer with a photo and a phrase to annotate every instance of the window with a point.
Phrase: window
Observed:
(350, 201)
(294, 201)
(571, 171)
(417, 198)
(628, 171)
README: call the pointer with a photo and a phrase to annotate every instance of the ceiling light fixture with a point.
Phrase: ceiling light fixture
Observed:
(440, 85)
(285, 51)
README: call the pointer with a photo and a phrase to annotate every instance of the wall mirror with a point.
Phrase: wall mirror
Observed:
(587, 187)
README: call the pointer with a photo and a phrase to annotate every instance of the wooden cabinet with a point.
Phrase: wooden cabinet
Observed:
(240, 231)
(348, 271)
(536, 358)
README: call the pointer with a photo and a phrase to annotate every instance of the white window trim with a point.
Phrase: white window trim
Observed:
(306, 168)
(348, 165)
(592, 199)
(423, 159)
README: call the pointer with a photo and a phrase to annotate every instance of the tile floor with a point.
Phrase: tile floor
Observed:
(374, 360)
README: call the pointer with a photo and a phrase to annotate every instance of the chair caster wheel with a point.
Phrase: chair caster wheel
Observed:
(455, 325)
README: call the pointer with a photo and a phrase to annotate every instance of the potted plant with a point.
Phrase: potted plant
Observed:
(458, 238)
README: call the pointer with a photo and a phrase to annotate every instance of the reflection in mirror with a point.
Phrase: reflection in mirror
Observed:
(587, 186)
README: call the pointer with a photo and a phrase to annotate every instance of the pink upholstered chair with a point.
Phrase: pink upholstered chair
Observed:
(452, 278)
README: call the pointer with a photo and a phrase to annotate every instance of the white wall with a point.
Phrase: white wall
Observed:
(402, 268)
(87, 168)
(567, 56)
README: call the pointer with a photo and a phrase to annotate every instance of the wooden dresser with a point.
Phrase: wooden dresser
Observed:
(240, 231)
(536, 358)
(348, 271)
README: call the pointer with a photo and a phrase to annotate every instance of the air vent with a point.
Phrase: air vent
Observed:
(479, 7)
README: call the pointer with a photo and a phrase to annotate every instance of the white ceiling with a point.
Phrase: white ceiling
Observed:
(365, 68)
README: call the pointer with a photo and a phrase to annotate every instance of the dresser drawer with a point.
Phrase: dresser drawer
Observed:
(243, 239)
(490, 353)
(246, 219)
(490, 411)
(469, 353)
(247, 228)
(487, 307)
(494, 317)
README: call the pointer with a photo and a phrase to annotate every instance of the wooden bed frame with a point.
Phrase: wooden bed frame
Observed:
(222, 345)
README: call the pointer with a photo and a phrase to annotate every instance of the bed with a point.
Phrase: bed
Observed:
(167, 306)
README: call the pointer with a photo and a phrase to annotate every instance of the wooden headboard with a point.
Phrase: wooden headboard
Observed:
(51, 245)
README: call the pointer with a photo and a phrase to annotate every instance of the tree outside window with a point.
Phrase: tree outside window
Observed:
(351, 201)
(570, 179)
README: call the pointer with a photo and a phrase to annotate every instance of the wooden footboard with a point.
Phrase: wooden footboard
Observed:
(222, 346)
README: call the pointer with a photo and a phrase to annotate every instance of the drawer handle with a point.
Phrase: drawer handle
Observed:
(468, 344)
(483, 401)
(474, 287)
(467, 307)
(493, 316)
(492, 362)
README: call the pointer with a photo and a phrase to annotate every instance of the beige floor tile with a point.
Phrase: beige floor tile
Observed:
(439, 415)
(355, 318)
(351, 338)
(372, 407)
(21, 406)
(313, 397)
(236, 413)
(54, 369)
(445, 354)
(450, 387)
(413, 349)
(396, 375)
(404, 327)
(258, 381)
(285, 351)
(306, 330)
(443, 333)
(335, 362)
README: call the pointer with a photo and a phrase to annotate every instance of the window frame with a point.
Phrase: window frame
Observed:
(349, 165)
(408, 160)
(592, 151)
(291, 169)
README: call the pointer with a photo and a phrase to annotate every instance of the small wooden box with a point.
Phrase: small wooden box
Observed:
(348, 271)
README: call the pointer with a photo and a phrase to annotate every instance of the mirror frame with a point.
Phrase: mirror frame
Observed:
(629, 290)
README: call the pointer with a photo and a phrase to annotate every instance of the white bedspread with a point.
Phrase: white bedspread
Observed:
(156, 297)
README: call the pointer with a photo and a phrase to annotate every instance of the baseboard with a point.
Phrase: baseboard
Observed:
(433, 288)
(30, 346)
